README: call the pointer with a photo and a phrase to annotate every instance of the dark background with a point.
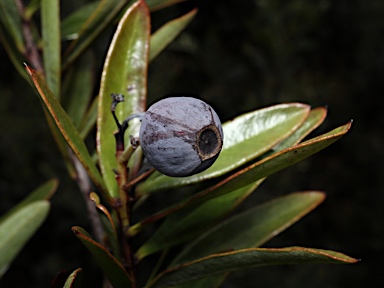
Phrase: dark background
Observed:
(238, 56)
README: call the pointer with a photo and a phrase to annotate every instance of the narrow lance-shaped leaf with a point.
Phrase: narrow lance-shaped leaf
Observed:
(112, 268)
(11, 20)
(78, 88)
(253, 227)
(74, 280)
(167, 33)
(245, 138)
(252, 173)
(43, 192)
(125, 72)
(50, 26)
(155, 5)
(66, 127)
(17, 228)
(247, 258)
(89, 119)
(72, 24)
(188, 223)
(102, 16)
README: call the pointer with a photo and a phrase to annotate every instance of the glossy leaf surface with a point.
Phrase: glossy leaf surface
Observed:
(253, 227)
(112, 268)
(50, 26)
(17, 228)
(245, 138)
(125, 72)
(43, 192)
(74, 280)
(188, 223)
(66, 127)
(168, 32)
(247, 258)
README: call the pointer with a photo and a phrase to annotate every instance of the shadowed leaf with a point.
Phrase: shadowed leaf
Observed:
(168, 32)
(125, 72)
(11, 20)
(247, 258)
(112, 268)
(75, 279)
(17, 228)
(160, 4)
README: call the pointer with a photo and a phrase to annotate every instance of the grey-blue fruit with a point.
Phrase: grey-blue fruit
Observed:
(181, 136)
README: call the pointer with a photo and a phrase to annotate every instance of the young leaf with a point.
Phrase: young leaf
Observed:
(253, 227)
(125, 72)
(102, 16)
(254, 172)
(167, 33)
(192, 221)
(74, 280)
(112, 268)
(247, 258)
(17, 228)
(50, 26)
(245, 138)
(66, 127)
(43, 192)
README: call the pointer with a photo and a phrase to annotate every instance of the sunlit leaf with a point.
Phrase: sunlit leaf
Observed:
(188, 223)
(74, 280)
(245, 138)
(66, 127)
(17, 228)
(167, 33)
(50, 30)
(112, 268)
(125, 72)
(247, 258)
(43, 192)
(72, 24)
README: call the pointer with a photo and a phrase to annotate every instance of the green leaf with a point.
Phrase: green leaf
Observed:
(125, 72)
(245, 138)
(160, 4)
(247, 258)
(66, 127)
(112, 268)
(43, 192)
(50, 26)
(253, 227)
(188, 223)
(89, 119)
(72, 24)
(17, 228)
(254, 172)
(75, 279)
(78, 88)
(167, 33)
(109, 228)
(102, 16)
(11, 20)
